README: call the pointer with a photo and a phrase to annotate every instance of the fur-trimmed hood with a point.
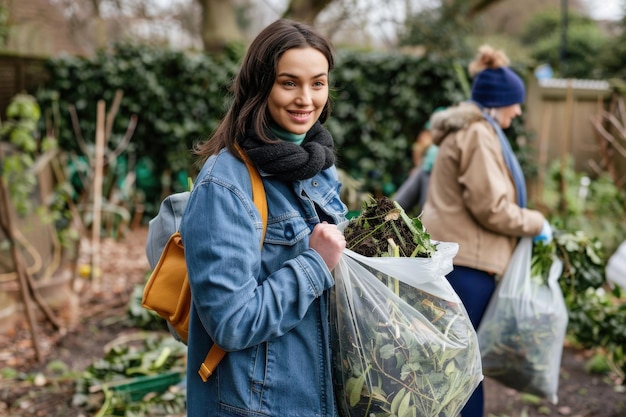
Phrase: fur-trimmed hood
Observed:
(453, 119)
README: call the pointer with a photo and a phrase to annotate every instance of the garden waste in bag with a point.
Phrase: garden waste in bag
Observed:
(522, 332)
(403, 344)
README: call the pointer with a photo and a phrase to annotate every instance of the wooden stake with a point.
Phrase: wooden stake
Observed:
(565, 144)
(544, 138)
(97, 195)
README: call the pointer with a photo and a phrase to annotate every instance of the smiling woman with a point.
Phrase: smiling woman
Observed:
(268, 309)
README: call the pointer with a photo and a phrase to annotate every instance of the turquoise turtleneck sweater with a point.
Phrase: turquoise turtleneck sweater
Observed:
(287, 136)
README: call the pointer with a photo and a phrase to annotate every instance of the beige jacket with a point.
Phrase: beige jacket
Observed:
(471, 197)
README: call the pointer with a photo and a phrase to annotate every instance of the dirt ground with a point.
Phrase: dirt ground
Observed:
(36, 392)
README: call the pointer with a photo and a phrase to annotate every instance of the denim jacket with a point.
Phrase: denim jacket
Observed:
(267, 308)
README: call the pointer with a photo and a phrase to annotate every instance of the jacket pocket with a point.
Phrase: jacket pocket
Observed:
(287, 230)
(226, 410)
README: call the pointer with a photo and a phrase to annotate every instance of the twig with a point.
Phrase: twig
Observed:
(606, 135)
(77, 132)
(110, 117)
(127, 137)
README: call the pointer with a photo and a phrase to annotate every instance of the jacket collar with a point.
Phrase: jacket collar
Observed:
(454, 119)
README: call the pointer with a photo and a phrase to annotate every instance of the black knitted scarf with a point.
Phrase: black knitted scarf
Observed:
(288, 161)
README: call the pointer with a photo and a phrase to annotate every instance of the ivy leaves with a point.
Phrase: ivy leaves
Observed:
(20, 131)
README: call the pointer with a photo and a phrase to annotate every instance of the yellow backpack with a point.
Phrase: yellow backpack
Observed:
(167, 291)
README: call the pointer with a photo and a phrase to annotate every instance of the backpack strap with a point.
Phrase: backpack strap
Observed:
(258, 191)
(216, 353)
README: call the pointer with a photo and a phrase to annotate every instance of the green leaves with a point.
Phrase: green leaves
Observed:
(403, 365)
(541, 261)
(355, 387)
(137, 376)
(597, 318)
(583, 265)
(20, 132)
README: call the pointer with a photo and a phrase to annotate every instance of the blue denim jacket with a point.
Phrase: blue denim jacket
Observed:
(268, 309)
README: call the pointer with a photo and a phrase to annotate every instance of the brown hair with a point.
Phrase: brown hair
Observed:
(487, 57)
(253, 83)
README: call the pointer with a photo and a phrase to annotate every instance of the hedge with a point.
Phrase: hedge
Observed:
(381, 100)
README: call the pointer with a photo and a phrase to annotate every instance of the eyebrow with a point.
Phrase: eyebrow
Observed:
(286, 74)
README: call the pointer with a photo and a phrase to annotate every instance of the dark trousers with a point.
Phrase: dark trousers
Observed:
(475, 289)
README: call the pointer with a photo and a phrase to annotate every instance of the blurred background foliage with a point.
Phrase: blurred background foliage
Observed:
(382, 94)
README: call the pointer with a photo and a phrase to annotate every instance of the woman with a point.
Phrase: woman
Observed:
(268, 309)
(477, 192)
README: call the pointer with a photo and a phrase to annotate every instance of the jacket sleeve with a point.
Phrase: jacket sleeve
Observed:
(488, 188)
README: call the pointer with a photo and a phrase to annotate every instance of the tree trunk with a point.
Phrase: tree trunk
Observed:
(101, 33)
(305, 10)
(219, 26)
(477, 6)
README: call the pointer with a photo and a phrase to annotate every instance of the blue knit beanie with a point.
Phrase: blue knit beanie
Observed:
(498, 87)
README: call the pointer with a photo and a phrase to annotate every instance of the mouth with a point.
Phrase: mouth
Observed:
(300, 116)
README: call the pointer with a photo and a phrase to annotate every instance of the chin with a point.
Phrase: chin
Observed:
(299, 129)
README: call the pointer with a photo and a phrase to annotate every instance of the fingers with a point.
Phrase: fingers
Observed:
(327, 240)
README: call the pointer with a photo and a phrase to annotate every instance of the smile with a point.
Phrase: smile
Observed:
(300, 115)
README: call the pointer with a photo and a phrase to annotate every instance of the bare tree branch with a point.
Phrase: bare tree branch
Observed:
(127, 137)
(76, 126)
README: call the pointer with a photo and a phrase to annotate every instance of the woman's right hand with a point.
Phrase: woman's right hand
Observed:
(327, 240)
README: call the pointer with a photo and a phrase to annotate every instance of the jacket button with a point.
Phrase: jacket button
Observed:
(289, 234)
(315, 183)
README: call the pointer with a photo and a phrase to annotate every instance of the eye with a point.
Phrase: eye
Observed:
(319, 84)
(288, 83)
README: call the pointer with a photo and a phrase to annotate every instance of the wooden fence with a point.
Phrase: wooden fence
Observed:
(560, 113)
(19, 74)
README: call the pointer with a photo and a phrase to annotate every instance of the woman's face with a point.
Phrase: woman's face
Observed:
(300, 90)
(505, 115)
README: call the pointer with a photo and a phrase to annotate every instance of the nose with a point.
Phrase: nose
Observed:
(304, 97)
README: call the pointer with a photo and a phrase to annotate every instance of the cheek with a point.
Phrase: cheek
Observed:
(321, 98)
(508, 115)
(274, 103)
(275, 98)
(504, 120)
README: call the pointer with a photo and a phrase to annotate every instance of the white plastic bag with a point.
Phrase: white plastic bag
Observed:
(616, 267)
(403, 343)
(522, 332)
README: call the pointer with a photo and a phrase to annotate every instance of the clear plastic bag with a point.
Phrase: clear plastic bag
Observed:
(403, 343)
(522, 332)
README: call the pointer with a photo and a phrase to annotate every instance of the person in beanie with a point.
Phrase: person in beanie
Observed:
(477, 192)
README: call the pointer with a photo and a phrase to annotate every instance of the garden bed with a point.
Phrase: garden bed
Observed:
(581, 394)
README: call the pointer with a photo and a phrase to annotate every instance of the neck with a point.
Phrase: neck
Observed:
(286, 135)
